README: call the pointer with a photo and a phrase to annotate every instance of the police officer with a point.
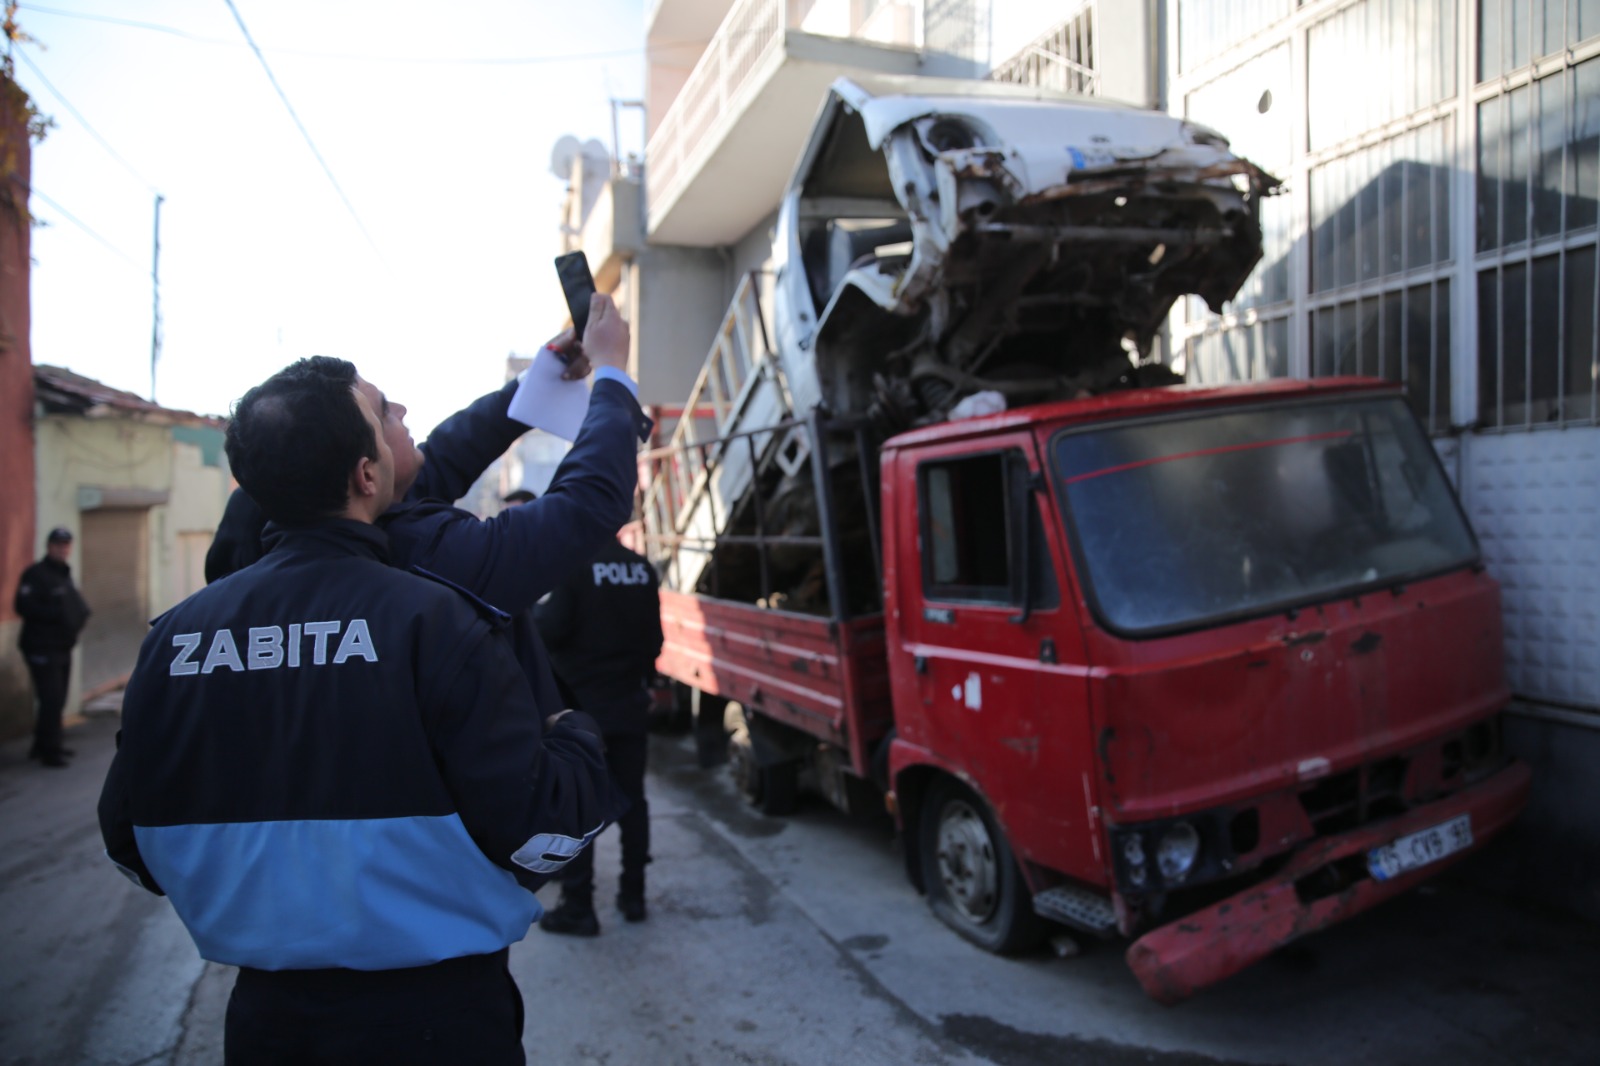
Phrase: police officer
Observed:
(337, 771)
(603, 628)
(53, 614)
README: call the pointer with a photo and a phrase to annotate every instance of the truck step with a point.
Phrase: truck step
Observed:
(1077, 907)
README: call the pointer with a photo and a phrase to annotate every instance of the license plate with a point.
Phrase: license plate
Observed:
(1420, 848)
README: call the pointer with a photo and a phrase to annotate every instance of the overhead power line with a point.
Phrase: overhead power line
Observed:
(22, 53)
(34, 190)
(507, 61)
(301, 126)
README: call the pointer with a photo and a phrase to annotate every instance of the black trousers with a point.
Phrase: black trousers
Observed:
(465, 1010)
(626, 753)
(51, 672)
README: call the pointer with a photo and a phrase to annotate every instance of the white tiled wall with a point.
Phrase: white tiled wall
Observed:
(1534, 499)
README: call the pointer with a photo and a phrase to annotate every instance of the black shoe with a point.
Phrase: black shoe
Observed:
(36, 754)
(571, 918)
(631, 906)
(55, 762)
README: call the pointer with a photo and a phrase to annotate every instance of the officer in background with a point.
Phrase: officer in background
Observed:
(53, 614)
(337, 770)
(603, 628)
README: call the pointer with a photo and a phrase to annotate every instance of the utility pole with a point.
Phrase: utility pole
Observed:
(617, 169)
(155, 298)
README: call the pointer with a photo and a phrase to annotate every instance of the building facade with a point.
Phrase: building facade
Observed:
(142, 488)
(1436, 227)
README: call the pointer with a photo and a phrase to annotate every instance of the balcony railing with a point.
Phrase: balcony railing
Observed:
(754, 29)
(751, 30)
(1062, 59)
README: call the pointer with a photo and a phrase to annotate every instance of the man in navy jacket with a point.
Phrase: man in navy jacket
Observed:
(337, 770)
(514, 558)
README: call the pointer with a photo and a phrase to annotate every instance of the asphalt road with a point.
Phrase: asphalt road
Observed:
(798, 941)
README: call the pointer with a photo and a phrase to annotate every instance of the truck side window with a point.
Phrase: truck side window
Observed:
(966, 522)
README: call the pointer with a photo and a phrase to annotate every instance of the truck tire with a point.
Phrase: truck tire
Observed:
(972, 880)
(772, 789)
(680, 717)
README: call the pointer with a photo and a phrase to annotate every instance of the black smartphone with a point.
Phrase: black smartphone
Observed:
(578, 285)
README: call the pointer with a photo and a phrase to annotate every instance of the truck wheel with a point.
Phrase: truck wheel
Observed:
(771, 789)
(710, 732)
(972, 880)
(680, 715)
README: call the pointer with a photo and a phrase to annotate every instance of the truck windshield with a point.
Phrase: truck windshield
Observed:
(1192, 519)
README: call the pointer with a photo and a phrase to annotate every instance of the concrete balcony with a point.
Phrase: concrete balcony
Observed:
(720, 157)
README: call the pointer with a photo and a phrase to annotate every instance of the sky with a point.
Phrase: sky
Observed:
(425, 258)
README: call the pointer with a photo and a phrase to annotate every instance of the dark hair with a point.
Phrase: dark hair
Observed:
(295, 437)
(519, 496)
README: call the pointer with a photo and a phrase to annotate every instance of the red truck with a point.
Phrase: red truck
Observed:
(1207, 667)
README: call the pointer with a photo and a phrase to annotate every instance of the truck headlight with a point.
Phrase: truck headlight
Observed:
(1177, 851)
(1133, 856)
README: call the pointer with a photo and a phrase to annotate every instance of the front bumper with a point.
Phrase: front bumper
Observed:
(1200, 949)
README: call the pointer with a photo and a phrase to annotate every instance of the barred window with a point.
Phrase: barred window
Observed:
(1402, 334)
(1253, 352)
(1382, 211)
(1407, 49)
(1208, 27)
(1512, 33)
(1538, 180)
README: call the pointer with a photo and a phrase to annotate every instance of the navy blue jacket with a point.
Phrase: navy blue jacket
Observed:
(520, 554)
(328, 762)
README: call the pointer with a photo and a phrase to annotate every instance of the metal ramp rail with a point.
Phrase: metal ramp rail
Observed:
(698, 477)
(686, 553)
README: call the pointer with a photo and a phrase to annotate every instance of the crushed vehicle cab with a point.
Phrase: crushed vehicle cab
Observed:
(977, 236)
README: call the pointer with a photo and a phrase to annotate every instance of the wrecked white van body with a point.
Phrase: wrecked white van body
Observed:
(941, 238)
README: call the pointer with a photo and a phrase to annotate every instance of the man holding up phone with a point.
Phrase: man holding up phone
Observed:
(514, 558)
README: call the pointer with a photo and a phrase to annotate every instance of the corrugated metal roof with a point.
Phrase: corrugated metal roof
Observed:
(61, 391)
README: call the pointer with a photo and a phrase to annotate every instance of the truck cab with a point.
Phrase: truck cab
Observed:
(1227, 655)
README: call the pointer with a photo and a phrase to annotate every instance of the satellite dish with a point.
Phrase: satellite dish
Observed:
(594, 149)
(562, 156)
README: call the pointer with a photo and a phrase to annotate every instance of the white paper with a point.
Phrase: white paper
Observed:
(545, 401)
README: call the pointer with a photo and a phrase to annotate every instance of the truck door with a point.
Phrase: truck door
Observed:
(981, 635)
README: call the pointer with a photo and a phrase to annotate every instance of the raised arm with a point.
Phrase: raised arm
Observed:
(461, 447)
(521, 553)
